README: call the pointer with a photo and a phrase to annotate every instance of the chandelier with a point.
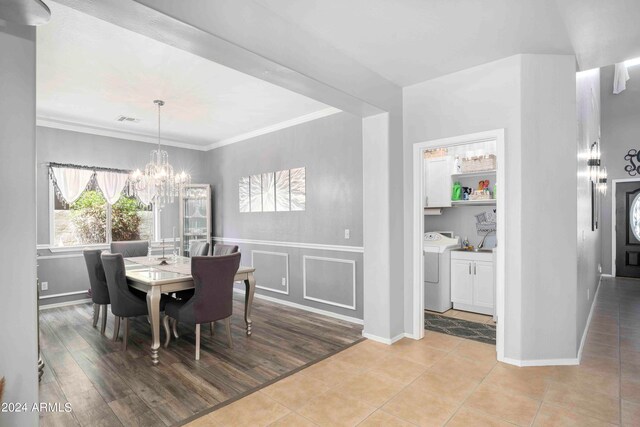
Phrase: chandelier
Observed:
(158, 183)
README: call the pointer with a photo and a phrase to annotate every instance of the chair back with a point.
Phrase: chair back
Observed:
(131, 248)
(220, 249)
(123, 302)
(198, 249)
(97, 280)
(213, 281)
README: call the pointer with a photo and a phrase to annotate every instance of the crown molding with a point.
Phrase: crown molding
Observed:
(278, 126)
(113, 133)
(152, 139)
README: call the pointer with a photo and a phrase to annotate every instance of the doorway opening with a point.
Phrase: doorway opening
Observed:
(625, 228)
(459, 234)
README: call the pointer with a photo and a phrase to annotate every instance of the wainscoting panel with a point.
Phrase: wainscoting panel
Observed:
(324, 278)
(329, 281)
(272, 270)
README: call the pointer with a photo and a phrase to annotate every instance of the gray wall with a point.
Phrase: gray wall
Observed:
(66, 272)
(18, 351)
(620, 132)
(461, 220)
(589, 242)
(533, 98)
(331, 151)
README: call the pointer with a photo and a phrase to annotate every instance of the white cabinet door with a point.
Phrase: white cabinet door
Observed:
(483, 284)
(437, 182)
(461, 281)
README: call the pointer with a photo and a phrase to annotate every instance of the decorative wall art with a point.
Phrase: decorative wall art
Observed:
(280, 191)
(633, 157)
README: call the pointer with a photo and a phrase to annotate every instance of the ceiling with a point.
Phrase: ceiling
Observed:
(89, 72)
(410, 41)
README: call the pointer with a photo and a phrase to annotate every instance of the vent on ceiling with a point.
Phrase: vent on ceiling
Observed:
(127, 119)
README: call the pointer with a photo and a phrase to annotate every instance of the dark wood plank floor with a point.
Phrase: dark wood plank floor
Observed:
(109, 387)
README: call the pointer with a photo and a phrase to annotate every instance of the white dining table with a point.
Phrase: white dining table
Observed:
(148, 275)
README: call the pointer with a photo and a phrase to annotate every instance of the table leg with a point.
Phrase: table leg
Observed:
(153, 305)
(250, 284)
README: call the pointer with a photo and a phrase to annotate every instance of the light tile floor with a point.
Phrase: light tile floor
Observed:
(445, 380)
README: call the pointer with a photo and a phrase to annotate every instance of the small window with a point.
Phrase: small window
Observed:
(634, 215)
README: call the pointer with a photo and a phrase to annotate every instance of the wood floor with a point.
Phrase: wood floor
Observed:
(109, 387)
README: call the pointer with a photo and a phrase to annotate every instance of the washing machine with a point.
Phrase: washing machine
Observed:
(437, 273)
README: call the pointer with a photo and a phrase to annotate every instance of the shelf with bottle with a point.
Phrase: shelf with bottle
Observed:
(491, 172)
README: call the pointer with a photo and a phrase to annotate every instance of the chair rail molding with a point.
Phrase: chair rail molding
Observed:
(317, 246)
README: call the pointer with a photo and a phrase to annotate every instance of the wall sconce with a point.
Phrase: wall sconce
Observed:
(594, 161)
(602, 181)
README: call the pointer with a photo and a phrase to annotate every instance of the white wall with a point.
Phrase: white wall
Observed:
(18, 351)
(589, 242)
(533, 98)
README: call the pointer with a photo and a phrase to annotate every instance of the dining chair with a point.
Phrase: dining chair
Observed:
(198, 249)
(124, 303)
(220, 249)
(212, 299)
(132, 248)
(98, 283)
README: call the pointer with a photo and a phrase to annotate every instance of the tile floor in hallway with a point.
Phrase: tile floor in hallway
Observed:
(444, 380)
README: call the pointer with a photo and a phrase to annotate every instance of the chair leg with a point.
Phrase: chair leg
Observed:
(116, 328)
(167, 332)
(96, 313)
(104, 319)
(213, 328)
(197, 341)
(175, 329)
(125, 336)
(227, 323)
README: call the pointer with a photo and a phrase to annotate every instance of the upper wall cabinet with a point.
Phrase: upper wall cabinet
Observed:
(437, 182)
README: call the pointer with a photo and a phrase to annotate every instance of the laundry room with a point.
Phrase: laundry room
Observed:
(460, 188)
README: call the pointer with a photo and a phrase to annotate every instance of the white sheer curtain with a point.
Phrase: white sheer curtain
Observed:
(146, 196)
(71, 182)
(111, 184)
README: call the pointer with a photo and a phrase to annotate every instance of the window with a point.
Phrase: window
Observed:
(91, 220)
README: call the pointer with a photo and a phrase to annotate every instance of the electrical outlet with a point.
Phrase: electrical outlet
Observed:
(284, 281)
(44, 286)
(347, 233)
(599, 268)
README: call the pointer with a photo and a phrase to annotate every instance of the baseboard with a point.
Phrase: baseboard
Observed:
(66, 303)
(304, 307)
(606, 275)
(383, 340)
(541, 362)
(586, 327)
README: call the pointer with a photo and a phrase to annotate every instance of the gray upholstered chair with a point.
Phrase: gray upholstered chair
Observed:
(220, 249)
(131, 248)
(213, 297)
(98, 283)
(124, 303)
(198, 249)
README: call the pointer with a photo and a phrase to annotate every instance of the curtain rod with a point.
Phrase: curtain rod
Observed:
(93, 168)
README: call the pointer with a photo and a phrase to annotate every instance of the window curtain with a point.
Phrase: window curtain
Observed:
(111, 185)
(70, 183)
(146, 195)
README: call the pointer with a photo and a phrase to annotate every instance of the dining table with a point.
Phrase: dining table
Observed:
(157, 275)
